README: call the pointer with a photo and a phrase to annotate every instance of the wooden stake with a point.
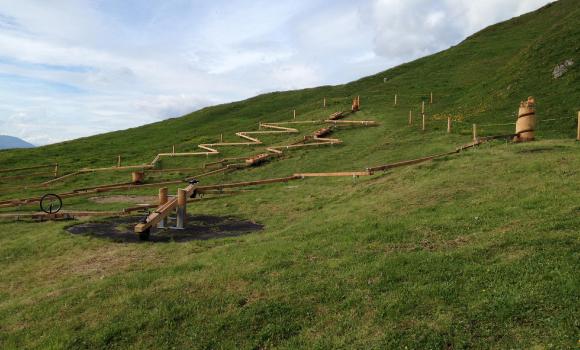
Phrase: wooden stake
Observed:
(324, 103)
(396, 98)
(163, 198)
(449, 125)
(221, 138)
(431, 97)
(173, 150)
(578, 135)
(423, 107)
(423, 122)
(118, 161)
(411, 117)
(181, 208)
(294, 114)
(56, 165)
(474, 132)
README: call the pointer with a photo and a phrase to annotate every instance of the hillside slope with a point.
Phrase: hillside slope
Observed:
(472, 251)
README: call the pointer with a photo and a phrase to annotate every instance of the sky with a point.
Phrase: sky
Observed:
(74, 68)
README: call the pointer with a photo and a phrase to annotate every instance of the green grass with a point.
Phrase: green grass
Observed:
(477, 250)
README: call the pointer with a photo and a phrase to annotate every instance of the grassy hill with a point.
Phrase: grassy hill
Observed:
(477, 250)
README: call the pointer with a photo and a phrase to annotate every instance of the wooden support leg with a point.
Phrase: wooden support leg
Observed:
(181, 209)
(162, 200)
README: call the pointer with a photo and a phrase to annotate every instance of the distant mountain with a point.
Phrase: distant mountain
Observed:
(13, 142)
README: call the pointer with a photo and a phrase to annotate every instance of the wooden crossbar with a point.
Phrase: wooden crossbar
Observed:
(337, 174)
(409, 162)
(27, 168)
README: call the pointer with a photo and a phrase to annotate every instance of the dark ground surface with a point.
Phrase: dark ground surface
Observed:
(199, 227)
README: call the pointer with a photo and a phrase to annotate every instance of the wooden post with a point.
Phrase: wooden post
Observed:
(431, 97)
(423, 107)
(118, 161)
(294, 114)
(474, 132)
(358, 101)
(423, 122)
(173, 150)
(578, 134)
(324, 103)
(221, 138)
(411, 117)
(56, 165)
(163, 198)
(181, 209)
(449, 125)
(137, 177)
(396, 98)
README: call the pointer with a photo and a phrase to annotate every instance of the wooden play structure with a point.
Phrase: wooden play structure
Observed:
(525, 127)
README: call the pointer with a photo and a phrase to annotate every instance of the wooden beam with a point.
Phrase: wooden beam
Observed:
(337, 174)
(27, 168)
(410, 162)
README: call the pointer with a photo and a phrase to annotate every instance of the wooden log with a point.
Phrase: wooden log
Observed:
(337, 174)
(578, 132)
(27, 168)
(249, 183)
(322, 132)
(526, 123)
(258, 159)
(409, 162)
(20, 177)
(181, 208)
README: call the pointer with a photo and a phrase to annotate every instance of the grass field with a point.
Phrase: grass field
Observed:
(474, 250)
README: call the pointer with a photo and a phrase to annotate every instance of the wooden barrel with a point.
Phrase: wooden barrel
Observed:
(137, 177)
(526, 123)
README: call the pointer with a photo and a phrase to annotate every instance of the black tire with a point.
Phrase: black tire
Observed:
(52, 197)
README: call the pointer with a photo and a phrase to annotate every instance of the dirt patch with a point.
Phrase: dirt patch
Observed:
(199, 227)
(124, 199)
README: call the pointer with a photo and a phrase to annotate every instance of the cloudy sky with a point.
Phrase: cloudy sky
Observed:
(72, 68)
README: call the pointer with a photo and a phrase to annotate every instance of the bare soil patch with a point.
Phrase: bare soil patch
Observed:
(199, 227)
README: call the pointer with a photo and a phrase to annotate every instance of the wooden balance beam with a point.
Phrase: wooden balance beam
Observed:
(166, 209)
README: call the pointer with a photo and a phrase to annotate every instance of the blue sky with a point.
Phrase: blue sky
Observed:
(73, 68)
